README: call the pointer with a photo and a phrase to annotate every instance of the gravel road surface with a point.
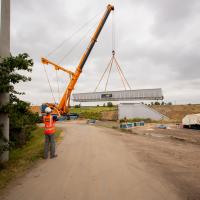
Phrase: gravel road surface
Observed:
(93, 163)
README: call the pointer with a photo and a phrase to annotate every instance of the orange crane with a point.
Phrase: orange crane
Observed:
(63, 107)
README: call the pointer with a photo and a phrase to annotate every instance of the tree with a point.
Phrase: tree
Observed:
(10, 76)
(21, 118)
(156, 103)
(77, 106)
(109, 104)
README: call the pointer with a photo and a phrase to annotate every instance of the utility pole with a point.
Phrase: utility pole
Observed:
(4, 52)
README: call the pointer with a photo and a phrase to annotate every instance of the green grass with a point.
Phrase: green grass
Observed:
(23, 158)
(92, 112)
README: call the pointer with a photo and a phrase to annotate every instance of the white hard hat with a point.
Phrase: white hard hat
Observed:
(47, 110)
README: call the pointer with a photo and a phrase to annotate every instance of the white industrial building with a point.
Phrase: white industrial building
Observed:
(137, 110)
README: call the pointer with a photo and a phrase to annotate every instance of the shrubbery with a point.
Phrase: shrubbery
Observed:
(22, 120)
(110, 104)
(77, 106)
(146, 120)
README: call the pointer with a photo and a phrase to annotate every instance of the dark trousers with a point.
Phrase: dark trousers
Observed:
(49, 143)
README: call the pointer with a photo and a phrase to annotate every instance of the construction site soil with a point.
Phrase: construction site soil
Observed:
(173, 152)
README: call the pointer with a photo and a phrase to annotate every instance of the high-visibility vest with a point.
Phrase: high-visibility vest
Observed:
(49, 124)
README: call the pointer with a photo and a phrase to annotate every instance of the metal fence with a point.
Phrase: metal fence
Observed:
(124, 95)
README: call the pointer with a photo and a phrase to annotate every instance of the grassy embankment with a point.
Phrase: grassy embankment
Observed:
(23, 158)
(177, 112)
(92, 112)
(174, 112)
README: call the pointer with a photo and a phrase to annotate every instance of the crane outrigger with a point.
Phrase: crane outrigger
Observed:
(64, 105)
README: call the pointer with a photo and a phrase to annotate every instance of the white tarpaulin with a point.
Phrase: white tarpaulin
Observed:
(191, 119)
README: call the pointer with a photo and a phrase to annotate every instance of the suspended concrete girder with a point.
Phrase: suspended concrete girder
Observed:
(123, 95)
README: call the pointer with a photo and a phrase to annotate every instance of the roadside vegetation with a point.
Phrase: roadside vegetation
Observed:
(25, 138)
(92, 112)
(146, 120)
(24, 157)
(175, 113)
(22, 120)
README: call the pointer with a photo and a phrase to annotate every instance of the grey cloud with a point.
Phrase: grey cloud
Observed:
(157, 44)
(171, 16)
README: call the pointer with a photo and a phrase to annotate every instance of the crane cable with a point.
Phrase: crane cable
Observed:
(110, 64)
(103, 75)
(121, 76)
(109, 73)
(124, 80)
(49, 84)
(72, 35)
(113, 31)
(58, 86)
(67, 54)
(122, 73)
(113, 47)
(60, 45)
(76, 45)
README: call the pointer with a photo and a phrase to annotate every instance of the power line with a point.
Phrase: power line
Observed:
(72, 35)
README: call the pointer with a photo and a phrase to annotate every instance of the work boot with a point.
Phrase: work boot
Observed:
(54, 156)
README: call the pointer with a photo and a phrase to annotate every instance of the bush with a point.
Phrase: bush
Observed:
(156, 103)
(146, 120)
(109, 104)
(77, 106)
(22, 122)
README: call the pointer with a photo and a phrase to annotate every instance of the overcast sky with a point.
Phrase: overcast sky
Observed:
(157, 44)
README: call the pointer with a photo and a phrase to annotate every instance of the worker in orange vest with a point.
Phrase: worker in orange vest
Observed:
(49, 131)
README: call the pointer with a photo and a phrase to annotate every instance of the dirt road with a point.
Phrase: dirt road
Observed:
(94, 163)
